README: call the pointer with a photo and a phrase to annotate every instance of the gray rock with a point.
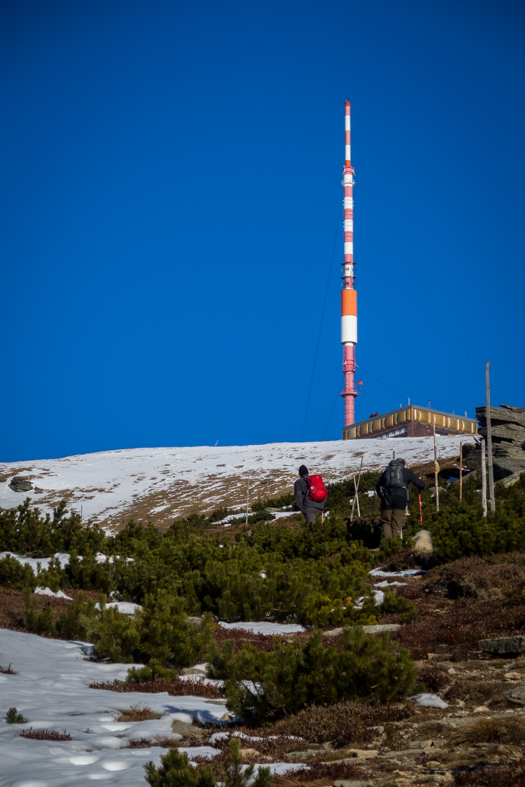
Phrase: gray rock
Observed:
(377, 628)
(516, 695)
(19, 484)
(421, 745)
(351, 783)
(503, 646)
(188, 729)
(300, 755)
(394, 755)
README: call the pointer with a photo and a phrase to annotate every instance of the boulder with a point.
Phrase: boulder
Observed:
(516, 695)
(503, 646)
(351, 783)
(20, 484)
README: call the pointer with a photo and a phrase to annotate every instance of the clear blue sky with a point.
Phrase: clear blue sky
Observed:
(169, 202)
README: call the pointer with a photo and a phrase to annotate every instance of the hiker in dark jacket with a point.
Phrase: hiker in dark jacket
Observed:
(393, 490)
(310, 508)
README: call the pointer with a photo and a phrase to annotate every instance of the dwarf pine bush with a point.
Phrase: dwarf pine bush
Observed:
(158, 633)
(461, 530)
(177, 771)
(23, 529)
(266, 685)
(14, 717)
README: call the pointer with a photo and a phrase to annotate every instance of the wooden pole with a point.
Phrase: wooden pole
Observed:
(483, 478)
(436, 468)
(357, 488)
(489, 439)
(356, 496)
(460, 472)
(353, 501)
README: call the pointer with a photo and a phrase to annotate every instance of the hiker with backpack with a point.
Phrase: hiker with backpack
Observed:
(310, 494)
(394, 493)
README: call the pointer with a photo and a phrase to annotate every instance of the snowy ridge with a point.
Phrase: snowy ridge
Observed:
(163, 483)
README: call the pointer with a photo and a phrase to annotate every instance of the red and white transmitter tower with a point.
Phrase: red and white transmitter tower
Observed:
(348, 294)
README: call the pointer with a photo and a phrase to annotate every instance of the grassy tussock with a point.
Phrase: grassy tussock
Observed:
(138, 713)
(511, 731)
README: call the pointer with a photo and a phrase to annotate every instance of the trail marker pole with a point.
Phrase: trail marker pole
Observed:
(247, 501)
(420, 510)
(483, 478)
(436, 468)
(489, 439)
(460, 472)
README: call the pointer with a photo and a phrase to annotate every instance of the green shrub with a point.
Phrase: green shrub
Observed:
(461, 530)
(25, 530)
(393, 604)
(177, 771)
(14, 717)
(266, 685)
(14, 575)
(158, 633)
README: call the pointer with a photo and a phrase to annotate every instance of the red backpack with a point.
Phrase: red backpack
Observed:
(316, 489)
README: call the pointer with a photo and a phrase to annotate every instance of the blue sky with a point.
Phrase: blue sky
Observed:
(169, 203)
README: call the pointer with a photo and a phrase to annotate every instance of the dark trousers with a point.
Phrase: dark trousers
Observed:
(310, 514)
(393, 522)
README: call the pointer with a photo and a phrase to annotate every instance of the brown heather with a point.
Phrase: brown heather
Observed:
(342, 723)
(45, 735)
(176, 688)
(505, 774)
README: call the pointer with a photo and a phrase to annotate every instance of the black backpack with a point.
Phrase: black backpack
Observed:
(394, 476)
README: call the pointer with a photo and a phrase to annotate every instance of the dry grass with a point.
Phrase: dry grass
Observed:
(138, 713)
(7, 670)
(511, 731)
(176, 688)
(45, 735)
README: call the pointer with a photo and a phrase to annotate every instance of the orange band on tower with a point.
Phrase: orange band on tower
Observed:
(348, 303)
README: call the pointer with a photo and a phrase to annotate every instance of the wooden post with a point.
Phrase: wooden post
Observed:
(436, 486)
(357, 488)
(483, 478)
(356, 496)
(460, 472)
(489, 439)
(353, 501)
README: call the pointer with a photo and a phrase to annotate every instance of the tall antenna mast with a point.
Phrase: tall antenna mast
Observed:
(348, 294)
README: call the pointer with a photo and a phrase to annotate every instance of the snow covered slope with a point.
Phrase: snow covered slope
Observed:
(50, 688)
(160, 484)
